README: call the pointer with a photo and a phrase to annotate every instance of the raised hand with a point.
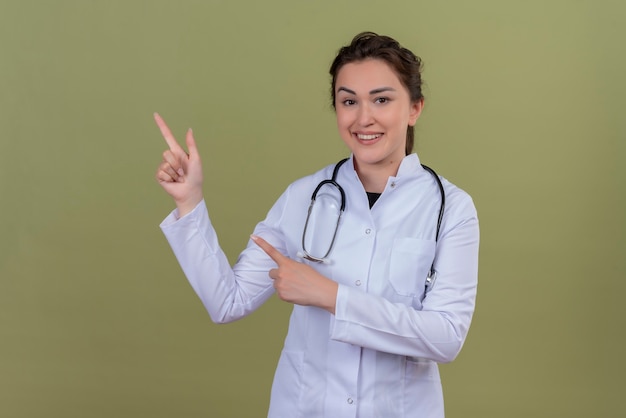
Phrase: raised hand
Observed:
(297, 282)
(180, 174)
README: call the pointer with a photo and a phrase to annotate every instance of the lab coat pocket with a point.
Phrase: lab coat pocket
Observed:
(409, 263)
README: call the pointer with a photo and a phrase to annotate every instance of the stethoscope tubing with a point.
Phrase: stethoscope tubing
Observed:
(430, 280)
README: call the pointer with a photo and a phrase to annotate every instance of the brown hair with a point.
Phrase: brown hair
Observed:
(406, 65)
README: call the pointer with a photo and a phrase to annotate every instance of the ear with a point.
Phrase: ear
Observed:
(415, 111)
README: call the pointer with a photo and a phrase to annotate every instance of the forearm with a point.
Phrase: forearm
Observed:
(226, 295)
(434, 329)
(373, 322)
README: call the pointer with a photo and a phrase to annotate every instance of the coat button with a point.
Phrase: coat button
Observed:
(350, 401)
(368, 231)
(358, 283)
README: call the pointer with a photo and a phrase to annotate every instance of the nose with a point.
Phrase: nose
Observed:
(365, 116)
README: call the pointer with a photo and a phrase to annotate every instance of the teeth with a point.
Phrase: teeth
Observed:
(367, 137)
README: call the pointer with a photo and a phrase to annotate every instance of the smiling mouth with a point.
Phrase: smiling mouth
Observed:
(370, 137)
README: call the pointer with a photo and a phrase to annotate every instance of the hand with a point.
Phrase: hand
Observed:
(180, 174)
(297, 282)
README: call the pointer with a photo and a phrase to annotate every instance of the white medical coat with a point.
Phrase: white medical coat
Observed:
(377, 356)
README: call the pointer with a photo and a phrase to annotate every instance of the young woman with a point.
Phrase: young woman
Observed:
(381, 291)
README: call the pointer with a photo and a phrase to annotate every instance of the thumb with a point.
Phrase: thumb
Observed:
(191, 144)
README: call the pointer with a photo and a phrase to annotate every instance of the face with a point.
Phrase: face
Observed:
(373, 112)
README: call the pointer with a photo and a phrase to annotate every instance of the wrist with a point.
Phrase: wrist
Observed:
(330, 296)
(187, 205)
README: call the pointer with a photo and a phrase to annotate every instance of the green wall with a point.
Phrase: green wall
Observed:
(524, 111)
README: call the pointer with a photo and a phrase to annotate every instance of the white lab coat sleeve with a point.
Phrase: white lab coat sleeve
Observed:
(437, 331)
(228, 293)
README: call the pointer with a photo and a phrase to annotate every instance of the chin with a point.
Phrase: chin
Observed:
(368, 160)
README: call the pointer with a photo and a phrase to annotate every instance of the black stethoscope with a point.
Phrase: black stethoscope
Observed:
(306, 254)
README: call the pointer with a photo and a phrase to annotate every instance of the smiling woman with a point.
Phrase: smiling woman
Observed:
(374, 110)
(369, 327)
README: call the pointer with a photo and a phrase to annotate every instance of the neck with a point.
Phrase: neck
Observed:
(374, 177)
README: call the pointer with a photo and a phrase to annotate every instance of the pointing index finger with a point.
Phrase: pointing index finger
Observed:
(167, 134)
(269, 249)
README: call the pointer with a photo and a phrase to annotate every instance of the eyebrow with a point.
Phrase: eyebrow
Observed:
(375, 91)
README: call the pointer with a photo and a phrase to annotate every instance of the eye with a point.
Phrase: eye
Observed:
(348, 102)
(381, 100)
